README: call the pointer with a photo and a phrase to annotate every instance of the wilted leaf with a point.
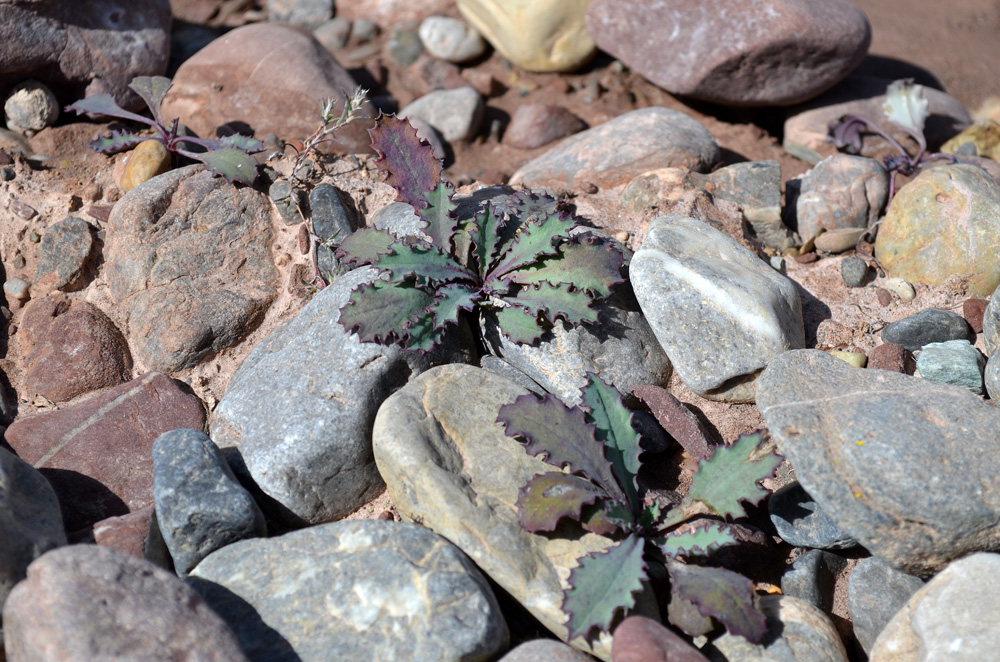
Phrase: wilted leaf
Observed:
(731, 474)
(613, 423)
(846, 132)
(549, 497)
(906, 106)
(248, 144)
(412, 168)
(679, 422)
(701, 540)
(603, 585)
(721, 594)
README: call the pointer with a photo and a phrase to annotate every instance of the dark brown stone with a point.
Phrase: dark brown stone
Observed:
(71, 350)
(98, 454)
(537, 124)
(890, 356)
(884, 296)
(86, 602)
(641, 639)
(63, 255)
(133, 534)
(973, 310)
(679, 422)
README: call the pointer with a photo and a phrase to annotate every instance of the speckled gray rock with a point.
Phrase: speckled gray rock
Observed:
(927, 326)
(300, 408)
(449, 465)
(30, 521)
(451, 39)
(954, 362)
(801, 522)
(719, 312)
(867, 446)
(82, 603)
(875, 592)
(811, 578)
(200, 506)
(797, 632)
(456, 113)
(331, 223)
(854, 271)
(63, 255)
(286, 201)
(954, 617)
(308, 14)
(30, 106)
(168, 256)
(548, 650)
(991, 325)
(353, 590)
(498, 366)
(841, 191)
(621, 149)
(399, 219)
(991, 377)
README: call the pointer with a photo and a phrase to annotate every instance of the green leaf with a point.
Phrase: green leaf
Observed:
(555, 302)
(549, 497)
(906, 106)
(452, 298)
(593, 267)
(604, 585)
(721, 594)
(103, 104)
(730, 475)
(233, 164)
(152, 89)
(486, 237)
(613, 426)
(365, 246)
(562, 434)
(409, 162)
(519, 325)
(697, 541)
(534, 240)
(424, 262)
(383, 312)
(438, 216)
(116, 142)
(596, 519)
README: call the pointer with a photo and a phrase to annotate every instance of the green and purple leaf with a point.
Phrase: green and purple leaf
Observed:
(233, 164)
(519, 325)
(613, 426)
(383, 312)
(555, 302)
(549, 497)
(731, 475)
(451, 299)
(603, 585)
(594, 267)
(409, 162)
(437, 215)
(533, 241)
(365, 246)
(726, 596)
(697, 540)
(486, 238)
(103, 104)
(562, 434)
(116, 141)
(152, 90)
(425, 263)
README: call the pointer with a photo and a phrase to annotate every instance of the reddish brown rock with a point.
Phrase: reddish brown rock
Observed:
(641, 639)
(132, 534)
(537, 124)
(98, 454)
(679, 421)
(890, 356)
(973, 310)
(84, 602)
(63, 255)
(884, 296)
(71, 349)
(267, 76)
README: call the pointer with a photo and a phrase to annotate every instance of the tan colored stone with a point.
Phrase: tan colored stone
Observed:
(984, 135)
(537, 35)
(147, 160)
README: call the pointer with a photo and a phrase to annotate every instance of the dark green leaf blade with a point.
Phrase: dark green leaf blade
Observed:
(613, 423)
(152, 89)
(486, 237)
(721, 594)
(438, 216)
(426, 263)
(555, 302)
(602, 585)
(534, 240)
(233, 164)
(519, 325)
(593, 267)
(731, 474)
(103, 104)
(549, 497)
(562, 434)
(409, 162)
(697, 541)
(383, 312)
(116, 141)
(451, 299)
(365, 246)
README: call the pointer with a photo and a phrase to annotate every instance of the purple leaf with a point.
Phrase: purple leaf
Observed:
(409, 162)
(103, 104)
(613, 423)
(846, 132)
(365, 246)
(721, 594)
(594, 267)
(116, 141)
(549, 497)
(233, 164)
(603, 585)
(562, 434)
(426, 263)
(383, 312)
(555, 302)
(152, 89)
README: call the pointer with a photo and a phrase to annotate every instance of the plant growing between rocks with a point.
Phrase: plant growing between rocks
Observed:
(516, 260)
(228, 156)
(595, 449)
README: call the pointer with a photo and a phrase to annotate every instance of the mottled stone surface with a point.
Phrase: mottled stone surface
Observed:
(71, 349)
(63, 256)
(720, 313)
(537, 124)
(549, 650)
(455, 114)
(641, 639)
(954, 362)
(801, 522)
(944, 222)
(84, 602)
(353, 590)
(842, 191)
(756, 187)
(867, 446)
(301, 405)
(449, 466)
(930, 325)
(621, 149)
(991, 324)
(811, 578)
(875, 593)
(735, 52)
(190, 255)
(954, 617)
(97, 453)
(451, 39)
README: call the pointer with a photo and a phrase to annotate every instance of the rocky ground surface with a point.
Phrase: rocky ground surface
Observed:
(171, 342)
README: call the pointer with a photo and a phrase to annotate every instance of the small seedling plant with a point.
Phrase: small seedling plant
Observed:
(516, 260)
(228, 156)
(594, 450)
(906, 107)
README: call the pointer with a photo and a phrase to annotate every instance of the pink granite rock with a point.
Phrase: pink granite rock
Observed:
(537, 124)
(641, 639)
